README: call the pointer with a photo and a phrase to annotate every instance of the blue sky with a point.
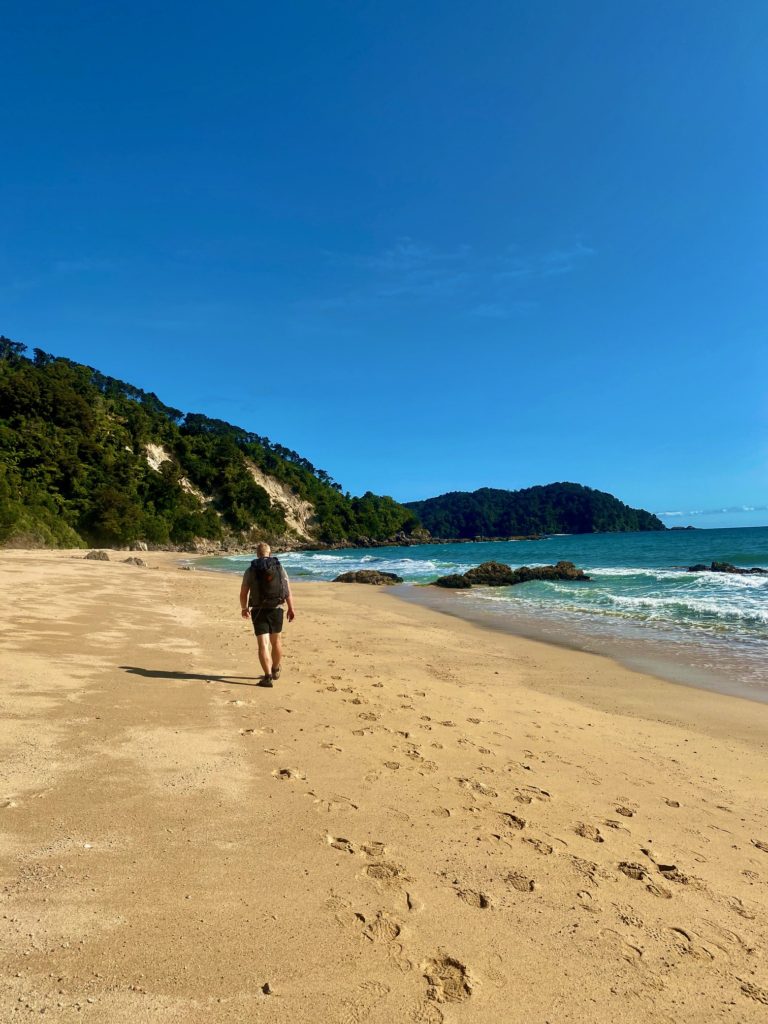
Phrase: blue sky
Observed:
(431, 246)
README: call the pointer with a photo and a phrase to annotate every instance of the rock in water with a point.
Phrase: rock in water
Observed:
(98, 556)
(453, 582)
(491, 574)
(561, 571)
(497, 574)
(369, 576)
(728, 568)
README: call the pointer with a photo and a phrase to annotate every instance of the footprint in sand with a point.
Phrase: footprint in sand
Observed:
(632, 870)
(288, 773)
(539, 845)
(369, 716)
(448, 980)
(587, 902)
(427, 1013)
(588, 832)
(624, 949)
(519, 881)
(257, 732)
(512, 821)
(477, 787)
(474, 898)
(386, 872)
(672, 803)
(530, 794)
(625, 812)
(760, 845)
(381, 928)
(616, 826)
(335, 804)
(392, 765)
(339, 843)
(358, 1008)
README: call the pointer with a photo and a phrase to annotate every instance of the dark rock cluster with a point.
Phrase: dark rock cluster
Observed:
(727, 567)
(369, 576)
(455, 581)
(497, 574)
(97, 556)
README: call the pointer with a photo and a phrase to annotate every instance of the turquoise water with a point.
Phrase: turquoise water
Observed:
(641, 603)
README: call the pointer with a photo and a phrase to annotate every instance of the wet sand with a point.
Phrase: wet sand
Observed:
(423, 821)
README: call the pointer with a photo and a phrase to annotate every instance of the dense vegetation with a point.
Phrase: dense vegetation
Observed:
(73, 468)
(553, 508)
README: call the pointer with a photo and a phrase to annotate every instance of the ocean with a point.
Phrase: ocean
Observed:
(641, 605)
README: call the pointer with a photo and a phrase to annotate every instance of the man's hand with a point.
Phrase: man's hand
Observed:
(244, 612)
(291, 614)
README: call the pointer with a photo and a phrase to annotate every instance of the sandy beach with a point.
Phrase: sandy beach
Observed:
(423, 821)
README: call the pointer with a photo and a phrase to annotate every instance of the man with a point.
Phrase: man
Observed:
(264, 589)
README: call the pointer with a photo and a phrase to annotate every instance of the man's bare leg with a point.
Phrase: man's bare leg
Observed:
(277, 652)
(264, 653)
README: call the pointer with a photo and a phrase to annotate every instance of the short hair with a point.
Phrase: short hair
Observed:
(263, 549)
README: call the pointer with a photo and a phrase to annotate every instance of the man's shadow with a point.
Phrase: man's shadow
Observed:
(156, 673)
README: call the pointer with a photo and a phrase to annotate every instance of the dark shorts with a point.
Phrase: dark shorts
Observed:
(267, 620)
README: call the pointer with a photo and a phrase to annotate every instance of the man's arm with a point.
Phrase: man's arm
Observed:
(289, 598)
(244, 590)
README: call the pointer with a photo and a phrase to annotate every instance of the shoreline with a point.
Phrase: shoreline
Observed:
(664, 662)
(665, 659)
(435, 820)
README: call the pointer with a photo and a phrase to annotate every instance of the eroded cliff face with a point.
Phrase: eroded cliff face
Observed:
(156, 455)
(299, 514)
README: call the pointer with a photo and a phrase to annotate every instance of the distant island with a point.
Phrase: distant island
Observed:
(547, 509)
(86, 459)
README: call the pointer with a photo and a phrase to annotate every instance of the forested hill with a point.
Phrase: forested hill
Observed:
(553, 508)
(85, 458)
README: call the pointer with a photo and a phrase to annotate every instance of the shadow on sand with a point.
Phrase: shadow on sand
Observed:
(156, 673)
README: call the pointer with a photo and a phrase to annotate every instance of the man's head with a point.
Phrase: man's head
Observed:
(263, 550)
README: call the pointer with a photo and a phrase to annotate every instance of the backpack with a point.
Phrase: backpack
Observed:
(268, 582)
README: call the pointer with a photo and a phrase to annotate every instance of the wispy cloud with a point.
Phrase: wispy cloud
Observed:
(487, 285)
(518, 266)
(731, 510)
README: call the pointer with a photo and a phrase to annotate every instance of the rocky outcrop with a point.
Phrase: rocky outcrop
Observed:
(453, 582)
(727, 567)
(369, 576)
(491, 574)
(497, 574)
(97, 556)
(135, 561)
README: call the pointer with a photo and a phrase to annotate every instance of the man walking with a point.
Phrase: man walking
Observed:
(264, 589)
